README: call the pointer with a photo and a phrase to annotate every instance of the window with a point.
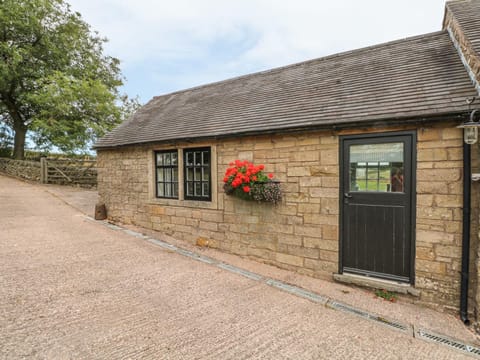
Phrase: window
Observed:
(166, 164)
(377, 167)
(197, 174)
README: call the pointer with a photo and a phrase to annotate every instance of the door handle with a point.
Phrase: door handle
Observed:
(347, 195)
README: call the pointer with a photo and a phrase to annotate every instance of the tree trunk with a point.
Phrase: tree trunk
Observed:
(19, 142)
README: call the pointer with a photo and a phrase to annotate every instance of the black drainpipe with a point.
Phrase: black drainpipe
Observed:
(467, 175)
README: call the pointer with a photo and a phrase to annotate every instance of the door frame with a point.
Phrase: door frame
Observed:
(413, 192)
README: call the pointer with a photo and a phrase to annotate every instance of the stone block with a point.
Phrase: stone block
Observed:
(310, 181)
(307, 208)
(289, 259)
(331, 256)
(298, 171)
(425, 199)
(425, 253)
(448, 251)
(310, 253)
(329, 206)
(329, 157)
(324, 170)
(428, 134)
(330, 182)
(261, 253)
(212, 216)
(434, 237)
(289, 239)
(313, 140)
(431, 266)
(434, 213)
(455, 153)
(330, 232)
(429, 155)
(450, 133)
(321, 265)
(449, 201)
(329, 140)
(178, 220)
(443, 175)
(439, 144)
(303, 156)
(321, 219)
(311, 231)
(324, 192)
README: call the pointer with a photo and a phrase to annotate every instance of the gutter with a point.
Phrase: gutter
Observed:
(467, 174)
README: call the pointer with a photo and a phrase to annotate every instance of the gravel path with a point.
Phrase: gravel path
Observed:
(72, 288)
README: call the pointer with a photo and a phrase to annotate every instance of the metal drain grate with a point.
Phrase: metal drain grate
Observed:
(297, 291)
(239, 271)
(366, 315)
(441, 339)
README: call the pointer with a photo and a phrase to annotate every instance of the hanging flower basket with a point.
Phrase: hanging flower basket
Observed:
(249, 182)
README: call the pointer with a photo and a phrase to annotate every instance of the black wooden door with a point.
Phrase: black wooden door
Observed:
(376, 213)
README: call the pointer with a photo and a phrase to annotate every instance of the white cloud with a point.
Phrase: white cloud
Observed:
(224, 38)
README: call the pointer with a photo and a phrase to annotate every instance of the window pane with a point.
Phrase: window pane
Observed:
(198, 174)
(166, 158)
(168, 190)
(189, 158)
(174, 158)
(174, 174)
(376, 167)
(206, 158)
(205, 189)
(159, 159)
(198, 158)
(160, 176)
(198, 189)
(190, 174)
(175, 189)
(205, 175)
(190, 188)
(168, 174)
(160, 189)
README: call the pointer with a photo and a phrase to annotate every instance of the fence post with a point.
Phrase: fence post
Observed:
(43, 170)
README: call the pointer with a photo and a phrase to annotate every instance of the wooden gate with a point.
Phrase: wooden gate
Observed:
(68, 171)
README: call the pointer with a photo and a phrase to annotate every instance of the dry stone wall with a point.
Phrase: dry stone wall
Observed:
(29, 170)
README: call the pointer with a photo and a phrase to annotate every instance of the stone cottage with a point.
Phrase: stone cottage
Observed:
(335, 131)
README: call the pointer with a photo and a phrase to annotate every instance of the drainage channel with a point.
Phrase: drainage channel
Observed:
(297, 291)
(446, 341)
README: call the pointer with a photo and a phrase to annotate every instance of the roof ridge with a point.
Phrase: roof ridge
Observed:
(323, 58)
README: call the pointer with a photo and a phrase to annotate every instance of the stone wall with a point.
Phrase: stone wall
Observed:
(301, 233)
(29, 170)
(439, 215)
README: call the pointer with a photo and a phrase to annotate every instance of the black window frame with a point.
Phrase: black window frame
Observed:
(202, 166)
(163, 166)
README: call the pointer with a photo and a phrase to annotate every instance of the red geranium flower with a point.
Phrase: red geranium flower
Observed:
(246, 189)
(270, 176)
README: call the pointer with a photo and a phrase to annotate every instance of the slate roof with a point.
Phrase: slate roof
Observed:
(467, 14)
(410, 78)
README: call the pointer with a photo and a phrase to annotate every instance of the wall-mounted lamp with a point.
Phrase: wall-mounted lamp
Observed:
(470, 128)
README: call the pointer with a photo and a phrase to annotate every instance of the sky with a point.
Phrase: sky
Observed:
(165, 46)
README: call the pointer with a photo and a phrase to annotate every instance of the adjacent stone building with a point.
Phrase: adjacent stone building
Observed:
(336, 132)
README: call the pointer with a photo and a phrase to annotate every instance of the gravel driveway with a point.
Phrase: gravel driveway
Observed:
(71, 288)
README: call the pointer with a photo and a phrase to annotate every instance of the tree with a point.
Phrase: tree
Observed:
(55, 80)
